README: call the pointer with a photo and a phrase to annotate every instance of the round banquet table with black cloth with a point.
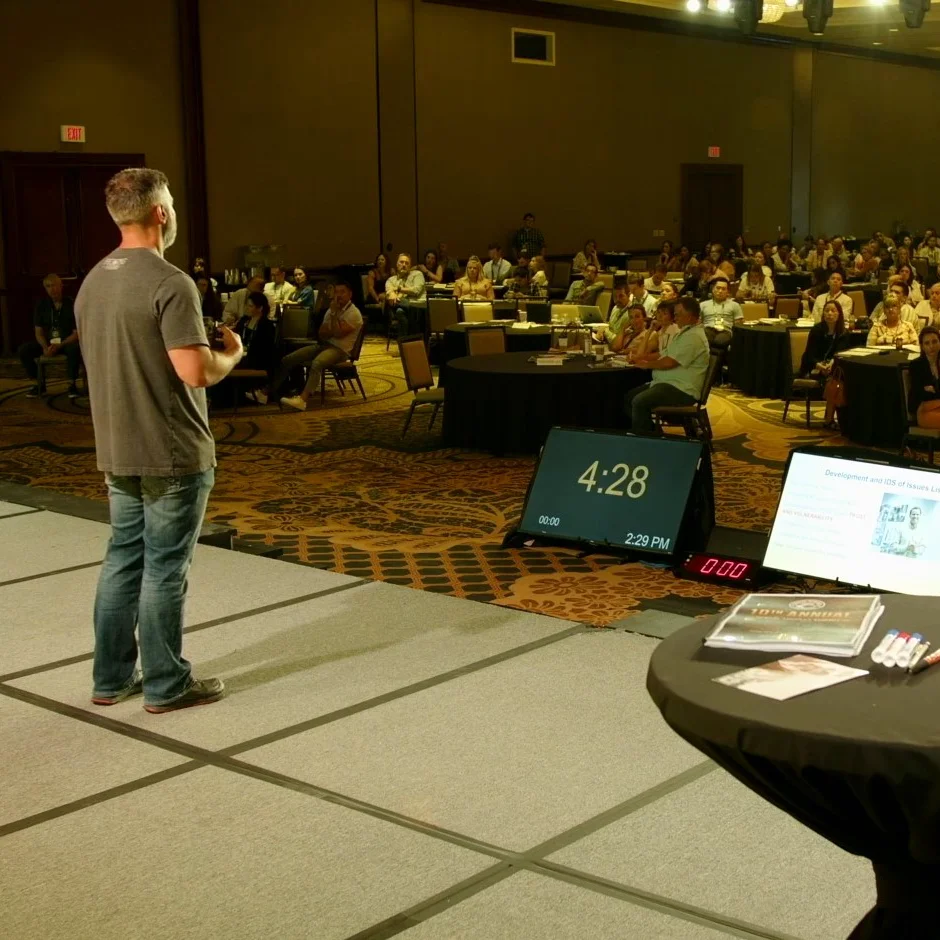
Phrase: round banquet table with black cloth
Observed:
(873, 415)
(858, 763)
(505, 404)
(454, 344)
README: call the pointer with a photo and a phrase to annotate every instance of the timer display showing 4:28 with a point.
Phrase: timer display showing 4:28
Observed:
(642, 540)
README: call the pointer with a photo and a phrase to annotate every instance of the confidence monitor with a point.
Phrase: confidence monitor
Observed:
(635, 494)
(860, 518)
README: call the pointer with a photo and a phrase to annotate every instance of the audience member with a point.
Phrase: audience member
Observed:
(635, 337)
(450, 265)
(682, 262)
(639, 294)
(304, 296)
(497, 269)
(808, 244)
(402, 290)
(678, 376)
(666, 323)
(258, 334)
(587, 289)
(376, 278)
(826, 338)
(835, 293)
(55, 335)
(337, 336)
(528, 239)
(768, 251)
(519, 284)
(818, 257)
(588, 256)
(890, 329)
(210, 302)
(739, 250)
(473, 285)
(837, 250)
(656, 280)
(620, 312)
(833, 264)
(538, 278)
(866, 265)
(237, 305)
(784, 260)
(923, 242)
(819, 286)
(761, 259)
(432, 269)
(279, 290)
(699, 283)
(901, 256)
(669, 291)
(756, 287)
(198, 267)
(719, 315)
(929, 309)
(930, 251)
(667, 255)
(924, 399)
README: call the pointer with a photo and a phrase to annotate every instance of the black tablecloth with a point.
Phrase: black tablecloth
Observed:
(454, 344)
(858, 763)
(759, 359)
(872, 415)
(505, 404)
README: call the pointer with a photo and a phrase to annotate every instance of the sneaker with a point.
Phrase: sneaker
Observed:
(33, 392)
(295, 402)
(134, 687)
(260, 397)
(73, 391)
(200, 692)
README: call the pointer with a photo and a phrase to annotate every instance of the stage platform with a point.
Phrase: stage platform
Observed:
(386, 761)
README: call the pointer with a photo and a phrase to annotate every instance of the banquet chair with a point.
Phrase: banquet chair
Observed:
(418, 378)
(799, 386)
(369, 310)
(912, 432)
(477, 311)
(293, 326)
(754, 311)
(922, 267)
(561, 278)
(603, 304)
(345, 371)
(859, 307)
(693, 419)
(788, 308)
(486, 341)
(505, 309)
(607, 280)
(442, 313)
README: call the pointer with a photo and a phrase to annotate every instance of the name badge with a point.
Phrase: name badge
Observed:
(55, 339)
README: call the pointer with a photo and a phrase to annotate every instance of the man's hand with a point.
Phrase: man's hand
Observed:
(231, 344)
(51, 350)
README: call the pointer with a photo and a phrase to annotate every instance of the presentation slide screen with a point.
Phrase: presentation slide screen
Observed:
(858, 522)
(612, 489)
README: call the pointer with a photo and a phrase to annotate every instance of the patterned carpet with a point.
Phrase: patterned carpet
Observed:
(338, 488)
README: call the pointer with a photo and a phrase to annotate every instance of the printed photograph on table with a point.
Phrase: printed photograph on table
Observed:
(904, 527)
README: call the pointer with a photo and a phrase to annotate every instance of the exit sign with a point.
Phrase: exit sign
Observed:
(72, 133)
(714, 153)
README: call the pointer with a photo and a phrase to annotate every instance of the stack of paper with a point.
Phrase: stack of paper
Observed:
(791, 676)
(862, 351)
(826, 624)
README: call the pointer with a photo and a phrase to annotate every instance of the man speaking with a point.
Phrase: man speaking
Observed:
(148, 361)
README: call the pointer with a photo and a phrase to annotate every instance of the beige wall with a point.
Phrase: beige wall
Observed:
(91, 63)
(575, 143)
(291, 138)
(875, 143)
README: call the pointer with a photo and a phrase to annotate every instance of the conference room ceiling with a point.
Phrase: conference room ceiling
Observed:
(858, 23)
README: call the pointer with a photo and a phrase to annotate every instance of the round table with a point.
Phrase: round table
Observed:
(858, 763)
(759, 359)
(874, 413)
(454, 344)
(505, 404)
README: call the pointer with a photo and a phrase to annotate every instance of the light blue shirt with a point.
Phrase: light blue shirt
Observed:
(721, 316)
(689, 347)
(413, 281)
(617, 318)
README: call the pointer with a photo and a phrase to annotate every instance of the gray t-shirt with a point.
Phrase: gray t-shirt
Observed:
(132, 307)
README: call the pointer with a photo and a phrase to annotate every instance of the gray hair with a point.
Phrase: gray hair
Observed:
(51, 279)
(131, 194)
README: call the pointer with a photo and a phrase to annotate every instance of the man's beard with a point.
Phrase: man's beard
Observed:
(169, 229)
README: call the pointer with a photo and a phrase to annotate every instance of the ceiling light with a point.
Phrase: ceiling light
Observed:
(693, 6)
(792, 3)
(876, 43)
(723, 6)
(878, 3)
(893, 29)
(773, 11)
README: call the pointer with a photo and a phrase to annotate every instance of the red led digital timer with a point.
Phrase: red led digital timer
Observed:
(719, 569)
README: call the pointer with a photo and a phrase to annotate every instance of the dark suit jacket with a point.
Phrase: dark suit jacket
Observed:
(921, 376)
(260, 353)
(820, 346)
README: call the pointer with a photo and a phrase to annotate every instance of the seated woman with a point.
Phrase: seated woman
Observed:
(756, 287)
(901, 256)
(375, 281)
(473, 285)
(668, 292)
(210, 301)
(665, 324)
(699, 283)
(258, 333)
(538, 282)
(432, 269)
(739, 250)
(199, 267)
(635, 336)
(726, 269)
(667, 255)
(906, 274)
(682, 261)
(583, 258)
(825, 339)
(924, 399)
(865, 267)
(891, 330)
(304, 296)
(834, 266)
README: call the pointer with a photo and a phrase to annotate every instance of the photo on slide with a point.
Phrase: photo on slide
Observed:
(904, 527)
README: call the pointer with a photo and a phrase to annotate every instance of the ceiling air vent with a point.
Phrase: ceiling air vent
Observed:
(533, 47)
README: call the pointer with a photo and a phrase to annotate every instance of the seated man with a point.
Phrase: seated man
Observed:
(838, 251)
(518, 285)
(658, 278)
(587, 290)
(930, 308)
(930, 251)
(835, 293)
(235, 307)
(497, 270)
(279, 290)
(720, 314)
(902, 293)
(337, 336)
(678, 375)
(56, 335)
(819, 256)
(785, 260)
(640, 295)
(403, 289)
(620, 312)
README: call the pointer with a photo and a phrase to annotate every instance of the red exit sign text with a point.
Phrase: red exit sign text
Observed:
(714, 153)
(72, 133)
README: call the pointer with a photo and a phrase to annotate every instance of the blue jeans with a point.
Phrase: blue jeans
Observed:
(155, 522)
(641, 401)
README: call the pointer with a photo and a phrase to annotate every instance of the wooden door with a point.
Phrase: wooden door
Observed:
(54, 219)
(712, 203)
